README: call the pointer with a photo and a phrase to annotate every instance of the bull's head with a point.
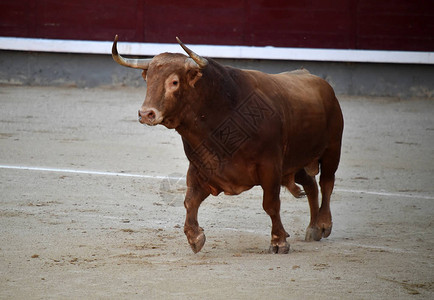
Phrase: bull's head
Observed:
(170, 78)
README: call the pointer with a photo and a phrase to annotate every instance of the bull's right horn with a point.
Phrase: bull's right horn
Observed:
(129, 62)
(199, 60)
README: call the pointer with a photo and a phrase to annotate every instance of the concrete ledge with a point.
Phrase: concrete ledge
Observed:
(91, 70)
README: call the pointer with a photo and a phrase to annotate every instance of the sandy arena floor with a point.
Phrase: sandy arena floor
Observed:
(71, 227)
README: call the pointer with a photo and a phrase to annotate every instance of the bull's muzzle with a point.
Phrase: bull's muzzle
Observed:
(149, 117)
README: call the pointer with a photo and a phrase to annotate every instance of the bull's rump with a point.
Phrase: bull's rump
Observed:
(308, 111)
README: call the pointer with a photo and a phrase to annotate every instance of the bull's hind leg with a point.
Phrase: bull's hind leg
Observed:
(329, 165)
(320, 218)
(289, 182)
(311, 188)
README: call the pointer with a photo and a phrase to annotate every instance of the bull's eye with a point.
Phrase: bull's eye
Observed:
(175, 82)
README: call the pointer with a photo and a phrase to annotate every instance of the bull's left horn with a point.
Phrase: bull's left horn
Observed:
(129, 62)
(202, 62)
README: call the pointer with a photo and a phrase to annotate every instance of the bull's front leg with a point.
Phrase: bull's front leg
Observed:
(271, 204)
(193, 198)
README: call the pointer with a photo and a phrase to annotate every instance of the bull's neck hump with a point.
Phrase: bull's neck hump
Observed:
(219, 91)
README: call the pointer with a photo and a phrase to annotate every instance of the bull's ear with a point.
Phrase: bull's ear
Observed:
(144, 74)
(193, 76)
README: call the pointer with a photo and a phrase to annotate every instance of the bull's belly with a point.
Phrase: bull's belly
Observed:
(232, 189)
(231, 177)
(228, 185)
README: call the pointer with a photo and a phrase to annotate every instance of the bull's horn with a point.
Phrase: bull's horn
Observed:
(129, 62)
(202, 62)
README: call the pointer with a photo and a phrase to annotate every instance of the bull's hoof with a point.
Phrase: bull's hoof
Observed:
(300, 194)
(197, 243)
(327, 231)
(281, 248)
(297, 192)
(317, 233)
(313, 234)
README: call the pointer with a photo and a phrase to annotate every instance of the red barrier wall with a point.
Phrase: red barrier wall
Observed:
(351, 24)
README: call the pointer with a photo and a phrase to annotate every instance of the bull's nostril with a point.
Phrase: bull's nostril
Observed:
(151, 115)
(147, 116)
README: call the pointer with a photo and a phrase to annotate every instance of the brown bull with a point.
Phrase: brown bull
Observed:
(242, 128)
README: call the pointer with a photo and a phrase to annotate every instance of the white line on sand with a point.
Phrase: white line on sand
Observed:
(161, 177)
